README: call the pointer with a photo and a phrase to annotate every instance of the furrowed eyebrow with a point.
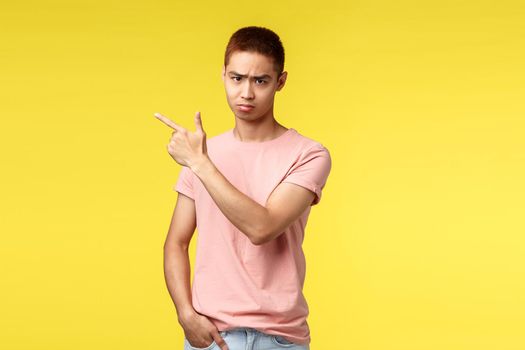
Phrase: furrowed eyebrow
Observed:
(256, 77)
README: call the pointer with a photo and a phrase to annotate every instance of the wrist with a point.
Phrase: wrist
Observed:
(185, 315)
(201, 164)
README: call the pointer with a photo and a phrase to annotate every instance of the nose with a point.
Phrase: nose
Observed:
(247, 91)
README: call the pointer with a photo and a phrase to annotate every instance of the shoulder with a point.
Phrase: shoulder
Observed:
(218, 139)
(308, 145)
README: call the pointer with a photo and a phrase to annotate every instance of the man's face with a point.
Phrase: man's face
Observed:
(250, 79)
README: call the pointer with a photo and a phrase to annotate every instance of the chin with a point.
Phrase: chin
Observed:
(248, 117)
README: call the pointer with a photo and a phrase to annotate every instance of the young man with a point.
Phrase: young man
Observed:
(249, 192)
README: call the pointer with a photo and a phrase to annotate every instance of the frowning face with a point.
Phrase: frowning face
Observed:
(250, 80)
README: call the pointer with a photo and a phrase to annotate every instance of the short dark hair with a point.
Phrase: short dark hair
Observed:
(257, 39)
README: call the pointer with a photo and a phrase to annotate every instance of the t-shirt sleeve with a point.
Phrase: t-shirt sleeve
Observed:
(311, 170)
(184, 183)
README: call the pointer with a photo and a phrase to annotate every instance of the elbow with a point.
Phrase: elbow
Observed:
(265, 231)
(257, 238)
(260, 236)
(264, 235)
(259, 242)
(175, 246)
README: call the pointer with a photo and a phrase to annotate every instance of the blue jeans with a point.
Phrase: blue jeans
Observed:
(245, 338)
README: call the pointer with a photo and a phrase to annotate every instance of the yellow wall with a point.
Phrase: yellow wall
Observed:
(418, 242)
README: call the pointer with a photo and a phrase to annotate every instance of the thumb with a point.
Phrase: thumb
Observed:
(198, 121)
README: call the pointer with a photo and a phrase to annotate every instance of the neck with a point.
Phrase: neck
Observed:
(259, 130)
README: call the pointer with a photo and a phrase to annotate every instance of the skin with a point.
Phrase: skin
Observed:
(258, 124)
(259, 223)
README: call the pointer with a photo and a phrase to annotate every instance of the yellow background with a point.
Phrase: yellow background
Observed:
(418, 242)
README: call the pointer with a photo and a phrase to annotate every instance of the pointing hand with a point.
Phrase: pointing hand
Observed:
(185, 147)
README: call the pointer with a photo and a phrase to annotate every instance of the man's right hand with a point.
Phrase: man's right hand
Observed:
(201, 332)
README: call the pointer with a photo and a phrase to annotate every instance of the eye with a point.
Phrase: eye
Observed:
(235, 78)
(263, 81)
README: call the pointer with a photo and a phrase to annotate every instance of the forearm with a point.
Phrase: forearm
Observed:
(243, 212)
(177, 275)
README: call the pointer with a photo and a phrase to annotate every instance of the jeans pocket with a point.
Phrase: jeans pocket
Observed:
(282, 341)
(211, 346)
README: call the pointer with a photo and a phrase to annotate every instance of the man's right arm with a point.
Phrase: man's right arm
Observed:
(176, 258)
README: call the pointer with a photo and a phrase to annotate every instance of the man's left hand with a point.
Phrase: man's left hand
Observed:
(185, 147)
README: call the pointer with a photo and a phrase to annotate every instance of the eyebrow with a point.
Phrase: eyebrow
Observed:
(256, 77)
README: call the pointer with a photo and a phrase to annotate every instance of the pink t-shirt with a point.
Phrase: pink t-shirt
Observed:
(237, 283)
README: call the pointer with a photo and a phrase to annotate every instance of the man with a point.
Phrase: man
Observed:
(249, 192)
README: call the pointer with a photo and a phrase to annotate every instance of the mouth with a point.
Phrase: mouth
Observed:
(245, 107)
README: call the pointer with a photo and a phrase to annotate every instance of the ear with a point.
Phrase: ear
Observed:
(223, 72)
(282, 80)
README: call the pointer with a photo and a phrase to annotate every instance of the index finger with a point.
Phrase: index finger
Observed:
(218, 337)
(168, 122)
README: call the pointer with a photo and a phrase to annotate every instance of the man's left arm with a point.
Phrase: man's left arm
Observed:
(260, 223)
